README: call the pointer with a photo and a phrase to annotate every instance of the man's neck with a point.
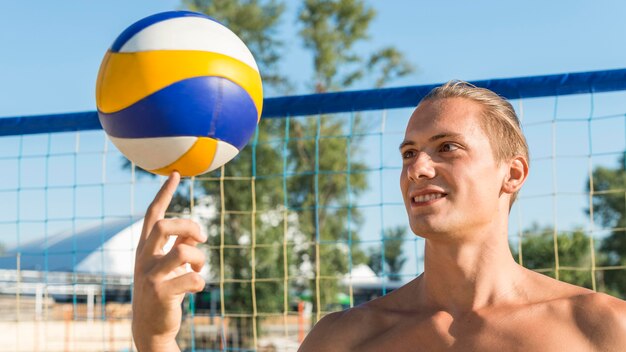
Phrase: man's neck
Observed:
(465, 277)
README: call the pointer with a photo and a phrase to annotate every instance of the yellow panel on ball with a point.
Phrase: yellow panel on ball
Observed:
(196, 161)
(126, 78)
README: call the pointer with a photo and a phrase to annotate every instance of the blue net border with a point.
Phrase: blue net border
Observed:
(359, 100)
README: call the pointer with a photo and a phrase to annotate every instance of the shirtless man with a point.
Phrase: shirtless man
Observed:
(464, 160)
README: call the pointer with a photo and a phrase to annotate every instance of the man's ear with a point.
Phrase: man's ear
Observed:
(516, 176)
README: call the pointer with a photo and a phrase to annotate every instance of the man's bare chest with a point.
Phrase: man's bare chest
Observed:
(513, 332)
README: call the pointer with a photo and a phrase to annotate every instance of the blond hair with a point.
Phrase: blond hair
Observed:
(500, 122)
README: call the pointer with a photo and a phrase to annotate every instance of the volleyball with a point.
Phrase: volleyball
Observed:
(179, 91)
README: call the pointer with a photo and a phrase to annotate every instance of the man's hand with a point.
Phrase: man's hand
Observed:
(161, 280)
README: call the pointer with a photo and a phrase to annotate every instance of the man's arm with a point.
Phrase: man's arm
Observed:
(161, 280)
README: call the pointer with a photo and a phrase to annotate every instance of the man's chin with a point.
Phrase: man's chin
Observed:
(428, 229)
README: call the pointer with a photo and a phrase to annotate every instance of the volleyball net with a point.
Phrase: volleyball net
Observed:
(308, 219)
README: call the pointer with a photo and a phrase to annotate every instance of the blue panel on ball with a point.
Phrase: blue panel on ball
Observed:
(200, 106)
(150, 20)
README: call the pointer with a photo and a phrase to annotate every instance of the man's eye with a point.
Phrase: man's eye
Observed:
(408, 154)
(449, 147)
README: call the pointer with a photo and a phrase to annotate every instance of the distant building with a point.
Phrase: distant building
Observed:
(103, 248)
(92, 262)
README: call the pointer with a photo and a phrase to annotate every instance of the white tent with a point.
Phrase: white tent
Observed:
(363, 277)
(362, 274)
(99, 257)
(104, 248)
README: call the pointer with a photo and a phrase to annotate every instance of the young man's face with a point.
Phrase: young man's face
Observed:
(450, 182)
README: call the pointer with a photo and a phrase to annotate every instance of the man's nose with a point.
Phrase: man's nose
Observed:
(422, 167)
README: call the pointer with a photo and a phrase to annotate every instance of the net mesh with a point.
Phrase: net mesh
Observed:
(307, 220)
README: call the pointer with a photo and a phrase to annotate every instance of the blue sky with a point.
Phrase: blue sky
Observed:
(51, 51)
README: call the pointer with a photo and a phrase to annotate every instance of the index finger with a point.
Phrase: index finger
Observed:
(156, 210)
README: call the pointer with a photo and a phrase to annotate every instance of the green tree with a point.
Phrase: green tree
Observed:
(327, 175)
(393, 242)
(574, 257)
(609, 211)
(330, 30)
(245, 244)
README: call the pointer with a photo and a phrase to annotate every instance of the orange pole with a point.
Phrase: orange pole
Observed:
(300, 321)
(67, 315)
(111, 335)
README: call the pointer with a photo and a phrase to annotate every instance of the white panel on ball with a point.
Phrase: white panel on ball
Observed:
(154, 153)
(190, 33)
(224, 153)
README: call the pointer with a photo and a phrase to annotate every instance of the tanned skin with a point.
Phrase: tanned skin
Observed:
(472, 296)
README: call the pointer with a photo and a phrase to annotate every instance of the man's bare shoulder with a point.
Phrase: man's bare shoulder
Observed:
(589, 309)
(335, 331)
(342, 331)
(602, 319)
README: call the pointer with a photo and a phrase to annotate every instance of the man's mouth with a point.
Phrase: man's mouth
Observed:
(424, 199)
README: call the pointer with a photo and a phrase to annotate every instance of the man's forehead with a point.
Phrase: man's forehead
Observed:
(455, 112)
(450, 117)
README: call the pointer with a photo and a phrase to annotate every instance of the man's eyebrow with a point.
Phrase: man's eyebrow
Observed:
(444, 135)
(405, 143)
(432, 139)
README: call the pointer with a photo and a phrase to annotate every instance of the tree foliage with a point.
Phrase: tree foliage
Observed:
(327, 175)
(609, 211)
(332, 29)
(609, 202)
(573, 254)
(394, 259)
